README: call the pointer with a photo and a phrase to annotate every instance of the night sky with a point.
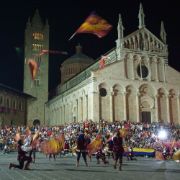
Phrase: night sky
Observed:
(65, 17)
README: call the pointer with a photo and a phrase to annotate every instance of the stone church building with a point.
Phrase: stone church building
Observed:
(132, 81)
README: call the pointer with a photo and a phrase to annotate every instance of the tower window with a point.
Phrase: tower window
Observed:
(37, 47)
(38, 36)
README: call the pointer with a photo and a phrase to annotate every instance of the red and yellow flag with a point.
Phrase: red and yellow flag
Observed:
(94, 145)
(33, 66)
(96, 25)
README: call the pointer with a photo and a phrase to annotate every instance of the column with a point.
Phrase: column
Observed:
(94, 107)
(178, 110)
(156, 70)
(125, 105)
(156, 108)
(77, 117)
(81, 109)
(148, 42)
(137, 105)
(133, 67)
(130, 65)
(167, 106)
(61, 122)
(138, 46)
(87, 107)
(71, 111)
(143, 41)
(65, 113)
(134, 43)
(111, 106)
(164, 71)
(148, 64)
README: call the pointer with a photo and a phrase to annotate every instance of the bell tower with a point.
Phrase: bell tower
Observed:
(36, 64)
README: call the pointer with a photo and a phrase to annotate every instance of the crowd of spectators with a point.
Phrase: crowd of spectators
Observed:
(141, 135)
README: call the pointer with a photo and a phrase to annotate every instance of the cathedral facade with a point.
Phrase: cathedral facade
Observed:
(132, 81)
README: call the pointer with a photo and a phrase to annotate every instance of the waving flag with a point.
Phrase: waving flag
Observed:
(94, 145)
(94, 24)
(33, 66)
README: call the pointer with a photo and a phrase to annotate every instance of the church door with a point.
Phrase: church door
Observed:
(146, 117)
(36, 122)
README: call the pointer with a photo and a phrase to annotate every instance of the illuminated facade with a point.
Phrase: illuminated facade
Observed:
(136, 84)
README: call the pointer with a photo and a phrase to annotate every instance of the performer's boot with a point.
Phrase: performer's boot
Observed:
(27, 166)
(98, 161)
(77, 163)
(120, 167)
(115, 165)
(86, 163)
(11, 165)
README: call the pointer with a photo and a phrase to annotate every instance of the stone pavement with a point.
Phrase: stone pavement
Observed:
(64, 169)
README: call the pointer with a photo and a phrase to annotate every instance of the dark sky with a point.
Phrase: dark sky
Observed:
(66, 16)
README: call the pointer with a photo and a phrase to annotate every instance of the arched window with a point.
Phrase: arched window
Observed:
(142, 71)
(102, 92)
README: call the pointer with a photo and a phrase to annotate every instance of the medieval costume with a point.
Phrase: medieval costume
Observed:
(22, 157)
(118, 150)
(81, 149)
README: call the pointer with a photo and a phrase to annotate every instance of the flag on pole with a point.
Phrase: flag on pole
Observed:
(94, 24)
(102, 61)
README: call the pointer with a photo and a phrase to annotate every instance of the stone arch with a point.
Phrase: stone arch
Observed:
(146, 89)
(146, 103)
(131, 103)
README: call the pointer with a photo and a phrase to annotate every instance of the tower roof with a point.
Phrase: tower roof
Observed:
(79, 57)
(36, 19)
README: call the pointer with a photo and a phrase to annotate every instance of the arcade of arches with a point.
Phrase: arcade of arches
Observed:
(137, 104)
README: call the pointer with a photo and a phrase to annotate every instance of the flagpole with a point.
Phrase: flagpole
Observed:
(72, 36)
